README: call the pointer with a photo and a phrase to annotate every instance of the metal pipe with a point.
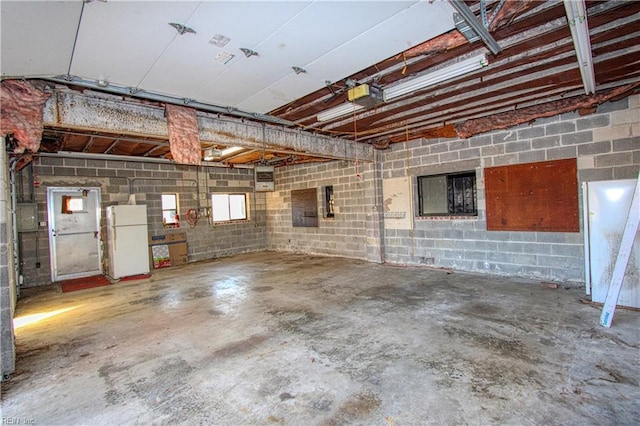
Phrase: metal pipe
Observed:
(14, 207)
(471, 19)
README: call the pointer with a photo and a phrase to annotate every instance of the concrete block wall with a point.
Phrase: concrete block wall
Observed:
(7, 276)
(118, 180)
(346, 234)
(606, 145)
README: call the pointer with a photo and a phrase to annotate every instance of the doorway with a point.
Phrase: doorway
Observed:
(74, 232)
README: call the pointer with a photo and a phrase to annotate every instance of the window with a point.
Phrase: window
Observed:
(170, 216)
(329, 201)
(448, 195)
(71, 204)
(227, 207)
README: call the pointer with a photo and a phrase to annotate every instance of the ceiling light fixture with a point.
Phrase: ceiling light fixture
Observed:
(577, 20)
(211, 154)
(429, 79)
(231, 150)
(248, 52)
(224, 57)
(219, 40)
(339, 111)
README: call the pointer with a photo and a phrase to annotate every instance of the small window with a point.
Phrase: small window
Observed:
(170, 218)
(448, 195)
(227, 207)
(71, 204)
(329, 201)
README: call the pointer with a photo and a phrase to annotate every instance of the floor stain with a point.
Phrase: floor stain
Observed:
(285, 396)
(262, 289)
(355, 407)
(241, 346)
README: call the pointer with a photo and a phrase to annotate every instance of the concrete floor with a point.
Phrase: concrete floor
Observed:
(274, 338)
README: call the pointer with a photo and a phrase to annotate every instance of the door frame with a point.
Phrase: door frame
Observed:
(51, 192)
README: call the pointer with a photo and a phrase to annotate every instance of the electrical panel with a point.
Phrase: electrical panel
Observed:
(27, 217)
(265, 178)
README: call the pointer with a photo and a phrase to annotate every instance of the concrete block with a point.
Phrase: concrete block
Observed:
(626, 144)
(594, 148)
(558, 128)
(503, 137)
(577, 138)
(75, 162)
(626, 172)
(585, 161)
(600, 120)
(546, 142)
(560, 153)
(531, 132)
(621, 104)
(98, 164)
(438, 148)
(488, 151)
(517, 146)
(64, 171)
(532, 156)
(458, 145)
(482, 140)
(612, 133)
(106, 172)
(617, 159)
(449, 156)
(625, 117)
(469, 153)
(547, 120)
(503, 160)
(50, 161)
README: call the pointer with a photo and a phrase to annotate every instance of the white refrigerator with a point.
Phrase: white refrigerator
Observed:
(127, 240)
(606, 206)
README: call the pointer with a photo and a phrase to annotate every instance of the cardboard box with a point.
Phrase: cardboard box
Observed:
(168, 250)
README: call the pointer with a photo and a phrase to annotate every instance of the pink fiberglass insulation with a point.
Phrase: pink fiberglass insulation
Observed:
(21, 106)
(184, 140)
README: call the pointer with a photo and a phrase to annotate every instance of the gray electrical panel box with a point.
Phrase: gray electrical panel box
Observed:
(265, 178)
(27, 217)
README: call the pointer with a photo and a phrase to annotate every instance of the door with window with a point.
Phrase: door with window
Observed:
(74, 232)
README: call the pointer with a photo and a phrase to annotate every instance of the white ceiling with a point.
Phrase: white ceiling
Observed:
(131, 44)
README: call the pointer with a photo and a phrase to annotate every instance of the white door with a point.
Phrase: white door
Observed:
(607, 205)
(74, 232)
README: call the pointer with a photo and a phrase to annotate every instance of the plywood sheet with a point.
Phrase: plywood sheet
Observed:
(533, 197)
(397, 203)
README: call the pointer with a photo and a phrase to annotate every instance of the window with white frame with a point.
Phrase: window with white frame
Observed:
(170, 216)
(228, 207)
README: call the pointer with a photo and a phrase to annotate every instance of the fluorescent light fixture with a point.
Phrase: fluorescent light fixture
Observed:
(577, 20)
(435, 77)
(340, 110)
(211, 154)
(231, 150)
